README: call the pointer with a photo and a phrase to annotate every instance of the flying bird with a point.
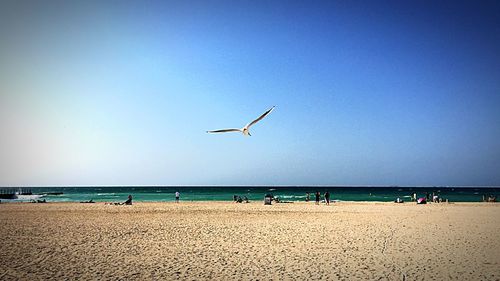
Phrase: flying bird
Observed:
(244, 130)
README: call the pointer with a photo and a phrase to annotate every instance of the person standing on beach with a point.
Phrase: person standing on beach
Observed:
(318, 195)
(327, 198)
(177, 195)
(307, 197)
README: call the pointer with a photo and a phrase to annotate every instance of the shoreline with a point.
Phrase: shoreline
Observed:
(220, 193)
(333, 202)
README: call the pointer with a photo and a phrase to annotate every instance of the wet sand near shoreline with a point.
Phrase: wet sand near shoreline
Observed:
(225, 240)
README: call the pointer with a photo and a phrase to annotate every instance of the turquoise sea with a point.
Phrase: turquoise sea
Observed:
(254, 193)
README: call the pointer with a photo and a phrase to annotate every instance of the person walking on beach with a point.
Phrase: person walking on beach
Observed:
(327, 197)
(318, 195)
(308, 197)
(177, 195)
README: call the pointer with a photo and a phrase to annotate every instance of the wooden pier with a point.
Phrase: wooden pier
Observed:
(10, 193)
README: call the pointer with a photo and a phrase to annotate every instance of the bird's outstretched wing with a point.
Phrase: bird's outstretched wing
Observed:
(224, 131)
(260, 117)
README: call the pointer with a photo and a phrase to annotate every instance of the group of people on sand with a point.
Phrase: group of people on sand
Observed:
(435, 198)
(238, 199)
(317, 196)
(129, 200)
(490, 198)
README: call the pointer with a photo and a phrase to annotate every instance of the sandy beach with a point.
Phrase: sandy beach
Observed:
(228, 241)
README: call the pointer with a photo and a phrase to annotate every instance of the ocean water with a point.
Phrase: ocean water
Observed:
(254, 193)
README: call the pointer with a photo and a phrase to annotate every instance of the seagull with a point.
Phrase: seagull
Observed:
(244, 130)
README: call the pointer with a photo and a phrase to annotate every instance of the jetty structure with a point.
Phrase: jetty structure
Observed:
(12, 193)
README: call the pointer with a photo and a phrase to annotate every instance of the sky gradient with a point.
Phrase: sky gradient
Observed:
(366, 92)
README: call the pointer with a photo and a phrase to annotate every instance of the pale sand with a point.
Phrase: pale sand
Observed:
(224, 240)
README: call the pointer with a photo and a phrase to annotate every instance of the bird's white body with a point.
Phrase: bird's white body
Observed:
(245, 130)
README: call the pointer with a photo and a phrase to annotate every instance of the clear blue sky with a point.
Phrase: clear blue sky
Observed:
(367, 92)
